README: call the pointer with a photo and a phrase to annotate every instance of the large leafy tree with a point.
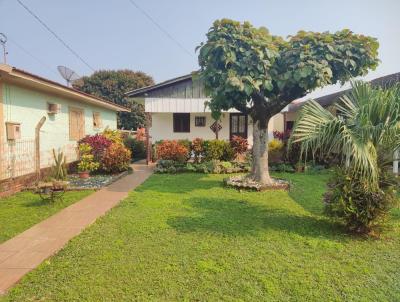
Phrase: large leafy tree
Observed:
(112, 85)
(249, 69)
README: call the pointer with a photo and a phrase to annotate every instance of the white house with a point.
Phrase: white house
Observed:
(25, 99)
(178, 111)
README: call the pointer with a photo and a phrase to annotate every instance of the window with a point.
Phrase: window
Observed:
(97, 122)
(76, 124)
(200, 121)
(181, 122)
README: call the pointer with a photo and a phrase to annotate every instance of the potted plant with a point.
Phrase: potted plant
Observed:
(86, 163)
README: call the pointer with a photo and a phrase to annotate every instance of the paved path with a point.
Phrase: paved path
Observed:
(21, 254)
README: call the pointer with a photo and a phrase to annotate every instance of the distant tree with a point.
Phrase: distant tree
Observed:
(112, 85)
(248, 69)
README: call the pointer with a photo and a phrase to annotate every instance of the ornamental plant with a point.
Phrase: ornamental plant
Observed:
(198, 149)
(239, 145)
(114, 136)
(250, 70)
(172, 150)
(86, 163)
(219, 150)
(98, 143)
(116, 158)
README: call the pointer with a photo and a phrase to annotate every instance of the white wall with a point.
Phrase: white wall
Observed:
(27, 107)
(162, 127)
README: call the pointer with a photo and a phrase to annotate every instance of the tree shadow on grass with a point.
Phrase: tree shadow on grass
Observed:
(235, 217)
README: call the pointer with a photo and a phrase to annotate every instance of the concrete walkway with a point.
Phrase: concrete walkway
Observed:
(27, 250)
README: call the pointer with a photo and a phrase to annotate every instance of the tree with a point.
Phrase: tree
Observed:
(112, 85)
(249, 69)
(365, 132)
(364, 129)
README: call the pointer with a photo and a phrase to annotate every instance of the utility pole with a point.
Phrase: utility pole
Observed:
(3, 41)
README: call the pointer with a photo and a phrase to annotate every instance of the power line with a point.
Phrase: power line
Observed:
(55, 35)
(32, 56)
(160, 28)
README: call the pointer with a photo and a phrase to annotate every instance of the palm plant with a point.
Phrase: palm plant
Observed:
(363, 122)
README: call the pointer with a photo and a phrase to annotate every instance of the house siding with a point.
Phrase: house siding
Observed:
(162, 127)
(27, 107)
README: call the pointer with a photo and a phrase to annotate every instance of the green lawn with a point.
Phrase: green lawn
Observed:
(186, 238)
(23, 210)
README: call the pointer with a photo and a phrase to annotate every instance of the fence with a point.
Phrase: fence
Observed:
(18, 158)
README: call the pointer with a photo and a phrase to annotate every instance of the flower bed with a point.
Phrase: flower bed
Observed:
(244, 182)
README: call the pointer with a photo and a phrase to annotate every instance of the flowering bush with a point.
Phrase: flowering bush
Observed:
(116, 158)
(198, 149)
(172, 150)
(239, 145)
(98, 143)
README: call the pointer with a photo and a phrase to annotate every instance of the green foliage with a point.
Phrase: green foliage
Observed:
(112, 85)
(137, 147)
(366, 123)
(212, 166)
(218, 150)
(59, 168)
(243, 65)
(361, 208)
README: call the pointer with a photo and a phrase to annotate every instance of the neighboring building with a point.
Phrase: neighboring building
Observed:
(178, 111)
(70, 115)
(328, 100)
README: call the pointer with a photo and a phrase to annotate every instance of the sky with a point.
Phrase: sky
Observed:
(117, 35)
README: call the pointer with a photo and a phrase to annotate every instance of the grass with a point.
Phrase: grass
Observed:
(186, 238)
(25, 209)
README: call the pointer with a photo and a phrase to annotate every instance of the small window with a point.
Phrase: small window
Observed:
(181, 122)
(200, 121)
(97, 122)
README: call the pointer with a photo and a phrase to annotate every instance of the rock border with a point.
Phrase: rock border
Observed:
(241, 182)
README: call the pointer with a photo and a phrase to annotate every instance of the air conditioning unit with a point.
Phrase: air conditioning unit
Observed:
(53, 108)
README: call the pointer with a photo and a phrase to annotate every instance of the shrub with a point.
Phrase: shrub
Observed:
(86, 162)
(141, 134)
(275, 150)
(198, 149)
(116, 158)
(353, 201)
(172, 150)
(218, 150)
(114, 136)
(137, 147)
(239, 145)
(99, 143)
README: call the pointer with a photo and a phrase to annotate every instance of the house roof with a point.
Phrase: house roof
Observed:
(329, 99)
(144, 90)
(27, 79)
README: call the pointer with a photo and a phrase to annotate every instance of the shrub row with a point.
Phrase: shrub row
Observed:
(202, 150)
(213, 166)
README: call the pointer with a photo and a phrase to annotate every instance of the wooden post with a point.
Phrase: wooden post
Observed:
(2, 136)
(396, 162)
(37, 146)
(148, 143)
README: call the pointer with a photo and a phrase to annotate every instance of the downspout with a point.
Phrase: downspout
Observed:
(37, 146)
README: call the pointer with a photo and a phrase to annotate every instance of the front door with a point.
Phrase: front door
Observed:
(238, 125)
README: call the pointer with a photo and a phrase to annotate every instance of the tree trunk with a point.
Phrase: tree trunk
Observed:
(260, 169)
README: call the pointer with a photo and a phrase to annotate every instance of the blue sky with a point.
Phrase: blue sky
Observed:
(116, 35)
